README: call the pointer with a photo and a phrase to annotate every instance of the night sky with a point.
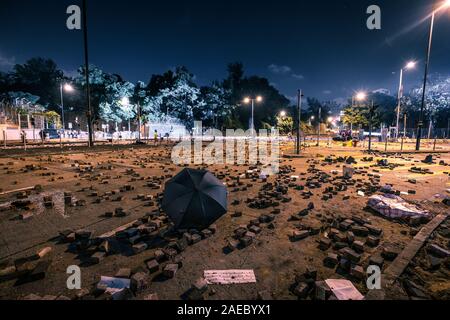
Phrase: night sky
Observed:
(322, 46)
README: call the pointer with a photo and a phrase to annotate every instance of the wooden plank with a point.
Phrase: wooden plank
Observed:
(398, 266)
(404, 258)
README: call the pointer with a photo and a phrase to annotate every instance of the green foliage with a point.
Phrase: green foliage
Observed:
(356, 116)
(38, 77)
(285, 125)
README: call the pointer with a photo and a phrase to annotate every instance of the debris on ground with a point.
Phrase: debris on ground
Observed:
(395, 207)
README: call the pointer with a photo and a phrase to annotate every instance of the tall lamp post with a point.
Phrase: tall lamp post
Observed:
(86, 71)
(68, 88)
(409, 65)
(318, 129)
(299, 113)
(445, 4)
(359, 96)
(362, 96)
(252, 101)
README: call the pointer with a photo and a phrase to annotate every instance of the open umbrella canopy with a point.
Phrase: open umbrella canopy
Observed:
(194, 199)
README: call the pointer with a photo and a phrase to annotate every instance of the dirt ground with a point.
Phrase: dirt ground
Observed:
(98, 177)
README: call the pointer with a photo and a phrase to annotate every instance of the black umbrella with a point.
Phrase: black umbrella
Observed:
(194, 199)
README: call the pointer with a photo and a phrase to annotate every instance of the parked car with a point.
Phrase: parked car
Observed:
(51, 134)
(342, 138)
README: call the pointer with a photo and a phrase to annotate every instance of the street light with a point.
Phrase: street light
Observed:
(283, 114)
(68, 88)
(361, 96)
(125, 101)
(318, 129)
(86, 74)
(299, 118)
(410, 65)
(445, 5)
(248, 100)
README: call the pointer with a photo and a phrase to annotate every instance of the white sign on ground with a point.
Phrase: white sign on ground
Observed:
(229, 276)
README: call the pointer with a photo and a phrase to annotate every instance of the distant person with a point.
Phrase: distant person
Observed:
(42, 135)
(155, 137)
(23, 136)
(167, 136)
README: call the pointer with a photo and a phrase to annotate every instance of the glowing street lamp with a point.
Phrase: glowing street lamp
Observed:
(410, 65)
(125, 101)
(283, 114)
(248, 100)
(361, 96)
(445, 5)
(68, 88)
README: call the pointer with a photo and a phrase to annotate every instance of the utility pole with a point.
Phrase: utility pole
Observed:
(400, 94)
(372, 110)
(139, 121)
(86, 70)
(299, 113)
(318, 129)
(448, 128)
(427, 64)
(404, 124)
(62, 106)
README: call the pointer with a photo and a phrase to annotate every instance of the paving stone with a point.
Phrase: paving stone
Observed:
(170, 270)
(390, 252)
(232, 245)
(196, 238)
(358, 246)
(358, 272)
(151, 296)
(200, 285)
(124, 273)
(350, 237)
(301, 290)
(360, 231)
(152, 266)
(438, 251)
(322, 291)
(331, 260)
(374, 230)
(160, 255)
(350, 254)
(140, 247)
(413, 289)
(206, 233)
(340, 237)
(97, 257)
(264, 295)
(298, 235)
(255, 229)
(246, 241)
(340, 245)
(324, 244)
(140, 281)
(372, 241)
(250, 234)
